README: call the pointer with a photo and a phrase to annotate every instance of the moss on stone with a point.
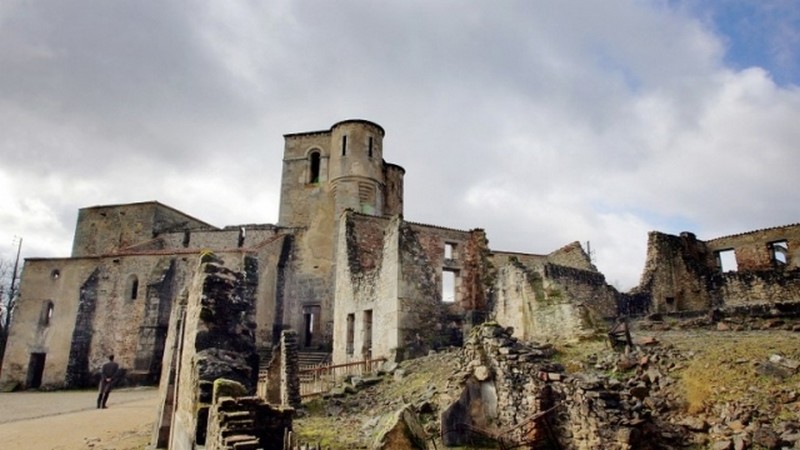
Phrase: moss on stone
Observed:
(228, 388)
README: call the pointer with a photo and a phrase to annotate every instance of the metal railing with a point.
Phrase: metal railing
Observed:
(320, 379)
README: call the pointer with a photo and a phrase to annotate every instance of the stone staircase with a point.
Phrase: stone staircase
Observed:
(305, 358)
(309, 359)
(264, 355)
(238, 431)
(247, 423)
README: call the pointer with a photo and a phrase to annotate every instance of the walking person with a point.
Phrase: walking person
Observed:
(108, 375)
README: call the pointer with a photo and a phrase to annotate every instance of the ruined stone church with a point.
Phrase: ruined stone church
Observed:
(342, 267)
(346, 271)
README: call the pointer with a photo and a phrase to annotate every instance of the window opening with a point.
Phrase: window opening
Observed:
(309, 327)
(133, 287)
(242, 234)
(344, 145)
(726, 260)
(780, 253)
(47, 313)
(314, 172)
(369, 145)
(55, 274)
(449, 250)
(448, 286)
(366, 350)
(187, 236)
(351, 334)
(311, 315)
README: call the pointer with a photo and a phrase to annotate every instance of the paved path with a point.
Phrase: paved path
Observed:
(69, 420)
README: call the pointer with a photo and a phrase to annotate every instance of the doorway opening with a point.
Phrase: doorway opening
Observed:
(311, 329)
(35, 370)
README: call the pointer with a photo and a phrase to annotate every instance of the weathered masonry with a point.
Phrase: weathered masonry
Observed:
(342, 268)
(757, 269)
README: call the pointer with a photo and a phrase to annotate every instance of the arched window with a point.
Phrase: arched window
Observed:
(47, 313)
(314, 167)
(133, 287)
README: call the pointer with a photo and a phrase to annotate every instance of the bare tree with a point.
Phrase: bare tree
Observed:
(9, 289)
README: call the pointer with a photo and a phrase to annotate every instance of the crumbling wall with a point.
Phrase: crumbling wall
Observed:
(365, 289)
(762, 287)
(218, 342)
(754, 251)
(549, 301)
(478, 272)
(422, 316)
(282, 377)
(676, 273)
(572, 255)
(587, 289)
(246, 422)
(388, 286)
(512, 392)
(683, 273)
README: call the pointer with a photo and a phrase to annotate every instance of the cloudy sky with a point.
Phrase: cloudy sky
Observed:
(543, 122)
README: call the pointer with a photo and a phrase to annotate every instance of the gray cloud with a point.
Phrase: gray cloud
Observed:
(543, 122)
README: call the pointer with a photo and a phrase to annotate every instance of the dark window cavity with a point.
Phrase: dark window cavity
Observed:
(133, 287)
(314, 169)
(351, 334)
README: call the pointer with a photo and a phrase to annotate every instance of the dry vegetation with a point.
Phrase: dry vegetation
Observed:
(719, 368)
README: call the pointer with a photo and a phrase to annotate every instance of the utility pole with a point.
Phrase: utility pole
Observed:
(12, 292)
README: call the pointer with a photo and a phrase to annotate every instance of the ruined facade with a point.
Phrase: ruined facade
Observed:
(757, 269)
(342, 268)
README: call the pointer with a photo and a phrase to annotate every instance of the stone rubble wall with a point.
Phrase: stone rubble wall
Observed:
(504, 382)
(550, 301)
(218, 342)
(240, 422)
(290, 370)
(682, 273)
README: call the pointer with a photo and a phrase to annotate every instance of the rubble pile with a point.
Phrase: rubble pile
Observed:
(514, 393)
(651, 372)
(500, 391)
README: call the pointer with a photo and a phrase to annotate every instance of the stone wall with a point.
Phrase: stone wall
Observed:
(683, 273)
(246, 423)
(389, 286)
(676, 273)
(218, 341)
(103, 230)
(366, 288)
(572, 255)
(282, 383)
(753, 251)
(511, 392)
(95, 312)
(554, 303)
